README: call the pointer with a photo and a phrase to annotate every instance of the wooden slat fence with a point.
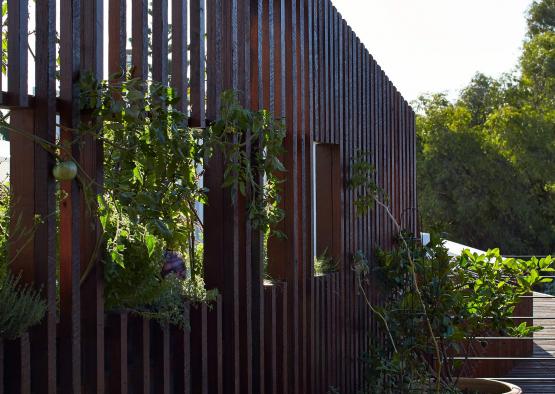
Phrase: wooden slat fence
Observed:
(299, 59)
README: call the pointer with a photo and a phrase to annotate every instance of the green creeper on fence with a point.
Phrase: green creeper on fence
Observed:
(152, 189)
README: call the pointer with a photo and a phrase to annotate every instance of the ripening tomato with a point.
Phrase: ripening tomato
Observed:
(65, 170)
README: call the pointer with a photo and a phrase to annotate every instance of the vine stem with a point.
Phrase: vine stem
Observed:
(375, 311)
(412, 268)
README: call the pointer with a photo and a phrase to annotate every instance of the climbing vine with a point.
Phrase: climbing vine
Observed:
(255, 169)
(152, 186)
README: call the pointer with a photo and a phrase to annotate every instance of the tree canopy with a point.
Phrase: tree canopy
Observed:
(486, 162)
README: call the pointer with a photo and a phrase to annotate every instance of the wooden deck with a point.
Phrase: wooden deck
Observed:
(537, 374)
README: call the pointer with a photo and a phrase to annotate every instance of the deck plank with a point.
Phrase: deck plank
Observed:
(538, 375)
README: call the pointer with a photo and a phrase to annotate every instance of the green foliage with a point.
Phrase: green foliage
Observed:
(541, 17)
(195, 291)
(251, 143)
(151, 160)
(4, 37)
(488, 184)
(486, 163)
(150, 191)
(538, 67)
(152, 186)
(325, 264)
(464, 297)
(22, 306)
(362, 181)
(4, 219)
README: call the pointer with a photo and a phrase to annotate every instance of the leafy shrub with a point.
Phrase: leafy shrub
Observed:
(21, 305)
(21, 308)
(462, 298)
(325, 264)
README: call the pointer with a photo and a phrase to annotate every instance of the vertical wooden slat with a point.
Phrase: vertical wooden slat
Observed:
(214, 347)
(350, 216)
(402, 155)
(282, 342)
(221, 225)
(323, 335)
(371, 228)
(346, 193)
(330, 367)
(270, 340)
(180, 353)
(317, 72)
(2, 357)
(304, 185)
(385, 147)
(124, 385)
(12, 372)
(405, 145)
(186, 335)
(413, 170)
(336, 323)
(139, 38)
(308, 136)
(92, 303)
(199, 361)
(166, 362)
(406, 173)
(331, 74)
(25, 367)
(17, 51)
(316, 359)
(320, 72)
(271, 53)
(116, 341)
(336, 75)
(117, 36)
(197, 63)
(145, 353)
(390, 155)
(345, 266)
(395, 144)
(213, 234)
(327, 69)
(284, 254)
(291, 198)
(2, 391)
(310, 33)
(359, 227)
(70, 265)
(355, 221)
(363, 227)
(160, 41)
(253, 81)
(134, 354)
(256, 237)
(234, 79)
(179, 80)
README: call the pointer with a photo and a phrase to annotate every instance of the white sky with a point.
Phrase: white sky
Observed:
(438, 45)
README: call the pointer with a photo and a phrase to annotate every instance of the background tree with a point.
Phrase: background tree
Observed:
(486, 163)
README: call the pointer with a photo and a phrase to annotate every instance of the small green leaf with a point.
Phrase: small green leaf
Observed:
(150, 241)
